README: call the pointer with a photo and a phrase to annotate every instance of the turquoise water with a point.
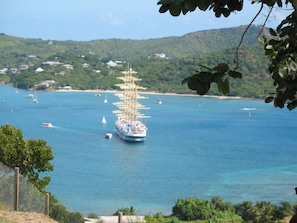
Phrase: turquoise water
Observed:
(198, 147)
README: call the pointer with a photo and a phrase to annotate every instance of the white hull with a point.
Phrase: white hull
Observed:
(103, 121)
(47, 124)
(135, 132)
(108, 136)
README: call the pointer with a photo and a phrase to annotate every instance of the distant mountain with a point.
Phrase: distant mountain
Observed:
(124, 49)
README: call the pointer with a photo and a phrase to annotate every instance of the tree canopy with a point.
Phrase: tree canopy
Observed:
(280, 49)
(31, 156)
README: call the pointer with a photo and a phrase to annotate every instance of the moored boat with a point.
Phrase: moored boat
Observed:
(30, 96)
(108, 135)
(47, 124)
(128, 125)
(103, 121)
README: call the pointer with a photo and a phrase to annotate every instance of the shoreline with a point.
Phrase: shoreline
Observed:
(144, 92)
(155, 93)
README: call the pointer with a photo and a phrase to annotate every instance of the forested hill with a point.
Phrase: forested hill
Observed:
(176, 57)
(124, 49)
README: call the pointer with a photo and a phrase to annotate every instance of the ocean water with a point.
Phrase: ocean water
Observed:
(239, 150)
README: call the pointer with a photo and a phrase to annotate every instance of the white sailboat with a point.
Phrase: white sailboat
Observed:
(103, 121)
(105, 99)
(35, 100)
(158, 101)
(16, 89)
(128, 125)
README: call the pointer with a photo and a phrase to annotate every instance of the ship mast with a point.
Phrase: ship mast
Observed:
(129, 106)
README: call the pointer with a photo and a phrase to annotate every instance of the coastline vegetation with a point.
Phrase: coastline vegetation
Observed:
(88, 68)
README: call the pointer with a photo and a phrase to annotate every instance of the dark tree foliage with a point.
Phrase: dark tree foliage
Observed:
(281, 50)
(31, 156)
(216, 210)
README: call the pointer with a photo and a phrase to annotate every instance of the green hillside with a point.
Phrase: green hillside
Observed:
(162, 63)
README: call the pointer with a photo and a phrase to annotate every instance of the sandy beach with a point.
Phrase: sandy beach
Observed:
(115, 219)
(155, 93)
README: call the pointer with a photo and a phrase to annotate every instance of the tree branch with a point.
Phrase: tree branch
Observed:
(242, 37)
(268, 15)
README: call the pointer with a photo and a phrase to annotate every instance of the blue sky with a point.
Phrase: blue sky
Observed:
(125, 19)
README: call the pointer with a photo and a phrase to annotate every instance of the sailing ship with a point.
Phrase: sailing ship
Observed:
(128, 125)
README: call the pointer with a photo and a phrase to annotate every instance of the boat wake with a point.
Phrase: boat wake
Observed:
(248, 109)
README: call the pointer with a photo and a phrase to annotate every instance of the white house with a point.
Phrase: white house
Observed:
(47, 83)
(23, 67)
(68, 66)
(14, 70)
(67, 88)
(39, 70)
(51, 63)
(3, 71)
(85, 65)
(111, 63)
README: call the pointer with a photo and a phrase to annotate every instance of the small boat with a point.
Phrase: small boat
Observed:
(129, 127)
(16, 89)
(108, 136)
(97, 94)
(103, 121)
(30, 96)
(158, 101)
(47, 124)
(105, 99)
(35, 97)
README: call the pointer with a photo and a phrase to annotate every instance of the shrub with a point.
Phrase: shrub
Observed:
(125, 211)
(93, 215)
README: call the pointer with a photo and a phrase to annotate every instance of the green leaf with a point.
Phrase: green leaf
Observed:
(197, 71)
(268, 47)
(292, 66)
(192, 83)
(185, 80)
(272, 32)
(269, 99)
(164, 8)
(208, 68)
(235, 74)
(203, 4)
(292, 105)
(204, 77)
(238, 4)
(165, 2)
(278, 102)
(216, 77)
(283, 73)
(223, 87)
(225, 12)
(287, 31)
(190, 5)
(202, 88)
(221, 68)
(180, 2)
(174, 9)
